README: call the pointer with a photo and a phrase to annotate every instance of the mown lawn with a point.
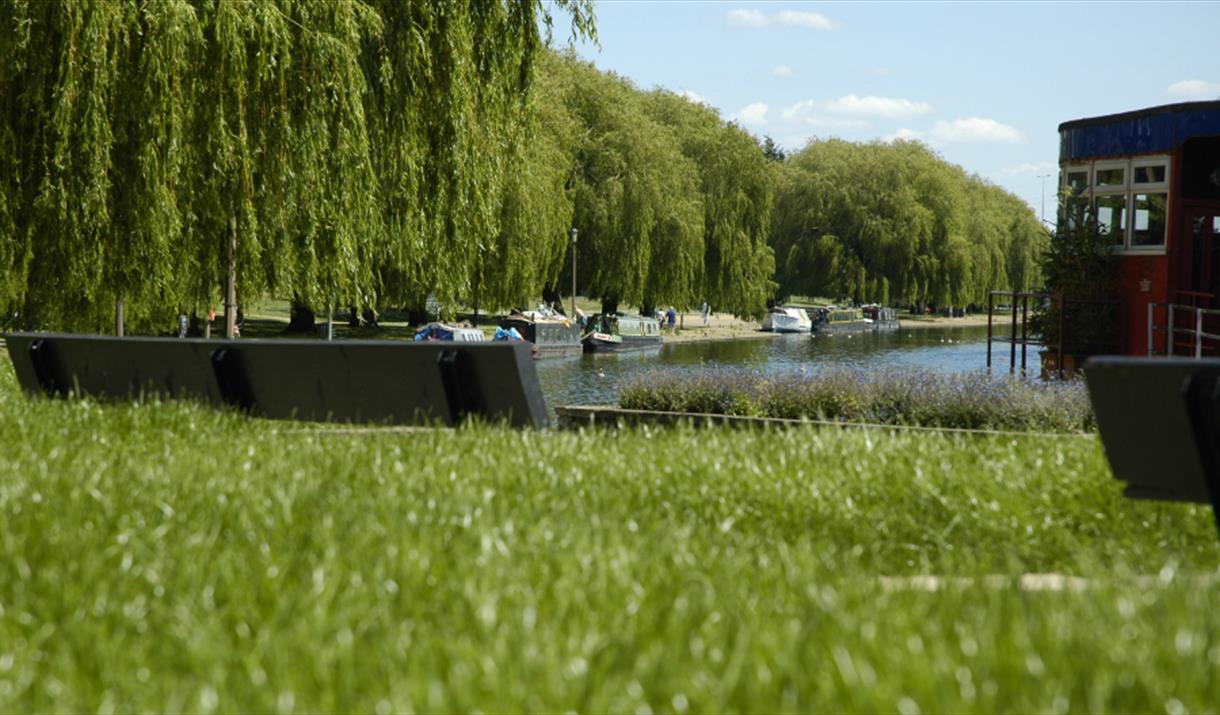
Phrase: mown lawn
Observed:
(174, 558)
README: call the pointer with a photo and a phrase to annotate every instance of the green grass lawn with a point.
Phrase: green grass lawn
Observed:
(169, 557)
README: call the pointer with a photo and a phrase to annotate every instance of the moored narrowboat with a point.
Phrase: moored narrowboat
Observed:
(552, 337)
(869, 318)
(617, 333)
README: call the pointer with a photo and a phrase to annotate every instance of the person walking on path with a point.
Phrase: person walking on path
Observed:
(671, 317)
(706, 312)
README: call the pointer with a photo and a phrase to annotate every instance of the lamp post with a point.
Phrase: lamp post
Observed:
(574, 232)
(1044, 177)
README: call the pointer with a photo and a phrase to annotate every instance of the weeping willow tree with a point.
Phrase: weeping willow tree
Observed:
(672, 203)
(893, 222)
(635, 195)
(530, 250)
(450, 103)
(343, 150)
(736, 192)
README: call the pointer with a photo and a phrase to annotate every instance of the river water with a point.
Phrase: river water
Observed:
(595, 379)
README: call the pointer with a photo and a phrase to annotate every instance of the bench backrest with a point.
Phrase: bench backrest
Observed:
(317, 380)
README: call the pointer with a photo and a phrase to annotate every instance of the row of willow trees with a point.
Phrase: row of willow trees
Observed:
(376, 152)
(892, 222)
(363, 152)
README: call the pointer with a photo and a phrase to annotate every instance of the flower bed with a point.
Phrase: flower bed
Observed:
(973, 400)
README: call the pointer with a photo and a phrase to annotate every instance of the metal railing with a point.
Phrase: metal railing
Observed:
(1183, 320)
(1075, 324)
(1015, 298)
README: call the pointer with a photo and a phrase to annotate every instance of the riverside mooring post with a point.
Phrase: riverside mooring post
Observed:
(231, 283)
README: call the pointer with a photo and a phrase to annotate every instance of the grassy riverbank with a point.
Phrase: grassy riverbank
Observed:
(270, 318)
(170, 557)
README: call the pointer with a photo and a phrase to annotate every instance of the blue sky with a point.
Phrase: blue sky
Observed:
(985, 84)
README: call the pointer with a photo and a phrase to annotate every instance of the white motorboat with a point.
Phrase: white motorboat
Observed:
(787, 320)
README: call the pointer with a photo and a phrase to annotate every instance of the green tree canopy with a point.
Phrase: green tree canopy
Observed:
(346, 149)
(893, 222)
(672, 203)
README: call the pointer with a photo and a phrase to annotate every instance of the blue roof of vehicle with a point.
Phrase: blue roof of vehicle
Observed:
(1144, 131)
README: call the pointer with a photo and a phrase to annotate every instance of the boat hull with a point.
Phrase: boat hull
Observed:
(549, 339)
(621, 333)
(442, 332)
(787, 320)
(856, 320)
(597, 343)
(856, 326)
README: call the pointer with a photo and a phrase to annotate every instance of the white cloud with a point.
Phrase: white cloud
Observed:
(1194, 89)
(805, 112)
(836, 123)
(903, 134)
(800, 110)
(755, 113)
(753, 18)
(882, 107)
(782, 71)
(695, 97)
(748, 18)
(812, 20)
(975, 130)
(882, 71)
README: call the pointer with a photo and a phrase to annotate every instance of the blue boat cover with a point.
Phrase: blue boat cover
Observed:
(434, 331)
(1145, 131)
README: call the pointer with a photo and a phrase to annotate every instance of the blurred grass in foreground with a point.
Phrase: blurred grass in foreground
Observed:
(169, 557)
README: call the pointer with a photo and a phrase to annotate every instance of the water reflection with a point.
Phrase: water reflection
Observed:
(595, 379)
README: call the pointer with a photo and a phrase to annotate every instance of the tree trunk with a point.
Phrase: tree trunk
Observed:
(474, 318)
(301, 318)
(231, 283)
(609, 305)
(118, 316)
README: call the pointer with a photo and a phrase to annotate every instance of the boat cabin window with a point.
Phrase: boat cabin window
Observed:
(1130, 198)
(1149, 175)
(1149, 214)
(1110, 176)
(1112, 217)
(1076, 180)
(1074, 190)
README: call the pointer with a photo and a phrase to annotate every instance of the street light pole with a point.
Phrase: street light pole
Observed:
(1044, 177)
(574, 232)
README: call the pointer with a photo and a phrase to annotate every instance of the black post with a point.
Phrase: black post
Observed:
(1012, 349)
(990, 315)
(1024, 328)
(1202, 394)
